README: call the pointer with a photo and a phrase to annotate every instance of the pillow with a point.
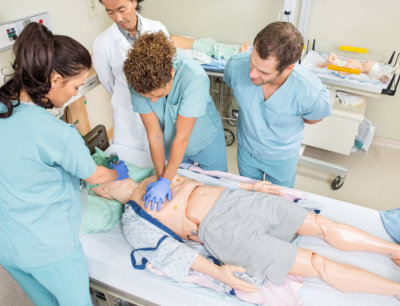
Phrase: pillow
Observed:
(100, 214)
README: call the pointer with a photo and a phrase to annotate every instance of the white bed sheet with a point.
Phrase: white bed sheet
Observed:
(108, 256)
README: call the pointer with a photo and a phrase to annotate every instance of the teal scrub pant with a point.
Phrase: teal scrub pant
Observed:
(65, 282)
(278, 172)
(212, 157)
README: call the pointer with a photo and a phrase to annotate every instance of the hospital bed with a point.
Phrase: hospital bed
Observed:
(111, 271)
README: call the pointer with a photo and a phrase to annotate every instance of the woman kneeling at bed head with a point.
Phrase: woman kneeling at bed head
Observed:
(253, 230)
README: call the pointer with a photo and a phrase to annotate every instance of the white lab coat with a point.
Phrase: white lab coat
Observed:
(109, 53)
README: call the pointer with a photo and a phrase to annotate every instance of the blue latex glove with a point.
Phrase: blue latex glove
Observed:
(156, 193)
(122, 170)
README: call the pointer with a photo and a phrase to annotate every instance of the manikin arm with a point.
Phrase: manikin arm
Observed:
(182, 41)
(262, 186)
(224, 273)
(223, 179)
(102, 175)
(187, 42)
(329, 61)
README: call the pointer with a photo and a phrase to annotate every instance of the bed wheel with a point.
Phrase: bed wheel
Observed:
(337, 182)
(229, 137)
(234, 120)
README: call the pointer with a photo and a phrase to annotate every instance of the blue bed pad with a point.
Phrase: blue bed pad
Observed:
(215, 65)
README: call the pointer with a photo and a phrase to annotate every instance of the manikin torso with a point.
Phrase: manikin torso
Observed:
(190, 203)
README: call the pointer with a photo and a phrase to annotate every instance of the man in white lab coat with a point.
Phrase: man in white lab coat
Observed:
(109, 53)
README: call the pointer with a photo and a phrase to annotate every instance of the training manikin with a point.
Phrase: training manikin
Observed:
(371, 68)
(197, 210)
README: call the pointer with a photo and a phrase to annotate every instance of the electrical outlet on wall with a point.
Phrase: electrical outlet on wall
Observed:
(9, 31)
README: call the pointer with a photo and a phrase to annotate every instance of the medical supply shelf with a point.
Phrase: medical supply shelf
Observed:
(337, 132)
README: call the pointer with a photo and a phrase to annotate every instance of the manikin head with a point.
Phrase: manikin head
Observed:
(149, 65)
(277, 48)
(123, 12)
(120, 191)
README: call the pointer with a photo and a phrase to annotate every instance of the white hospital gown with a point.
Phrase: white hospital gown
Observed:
(172, 257)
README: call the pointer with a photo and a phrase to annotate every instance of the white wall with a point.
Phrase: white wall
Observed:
(229, 21)
(365, 23)
(69, 17)
(72, 18)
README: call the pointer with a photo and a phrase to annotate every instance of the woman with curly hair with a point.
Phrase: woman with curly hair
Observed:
(171, 94)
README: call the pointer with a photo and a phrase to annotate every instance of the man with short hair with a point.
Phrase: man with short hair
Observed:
(109, 53)
(275, 97)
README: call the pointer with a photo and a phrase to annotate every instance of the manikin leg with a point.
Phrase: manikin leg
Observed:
(343, 277)
(347, 238)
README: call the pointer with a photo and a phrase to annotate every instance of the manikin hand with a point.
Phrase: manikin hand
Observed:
(227, 276)
(329, 61)
(122, 170)
(156, 193)
(267, 187)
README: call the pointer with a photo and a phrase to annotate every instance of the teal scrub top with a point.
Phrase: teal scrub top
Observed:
(273, 129)
(41, 161)
(189, 97)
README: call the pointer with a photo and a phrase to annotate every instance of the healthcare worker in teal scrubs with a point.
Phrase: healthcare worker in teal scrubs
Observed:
(276, 97)
(171, 94)
(42, 159)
